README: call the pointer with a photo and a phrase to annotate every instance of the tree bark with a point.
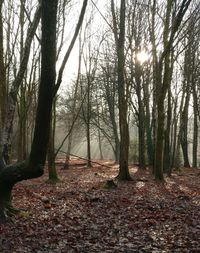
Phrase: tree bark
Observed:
(21, 149)
(177, 156)
(53, 176)
(10, 175)
(141, 117)
(163, 77)
(111, 101)
(148, 128)
(195, 129)
(122, 97)
(159, 148)
(184, 130)
(167, 147)
(88, 117)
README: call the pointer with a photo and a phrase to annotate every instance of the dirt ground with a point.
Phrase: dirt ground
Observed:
(79, 215)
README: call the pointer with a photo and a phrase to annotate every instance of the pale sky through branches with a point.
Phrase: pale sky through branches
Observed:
(98, 22)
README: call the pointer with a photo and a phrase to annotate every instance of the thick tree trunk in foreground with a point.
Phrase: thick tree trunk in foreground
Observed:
(10, 175)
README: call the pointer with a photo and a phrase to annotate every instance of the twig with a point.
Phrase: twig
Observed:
(85, 159)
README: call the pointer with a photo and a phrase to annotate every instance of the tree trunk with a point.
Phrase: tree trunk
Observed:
(195, 130)
(163, 72)
(22, 136)
(111, 100)
(148, 128)
(21, 149)
(122, 96)
(99, 132)
(159, 148)
(141, 118)
(177, 156)
(184, 131)
(53, 176)
(167, 149)
(174, 133)
(10, 175)
(89, 164)
(5, 201)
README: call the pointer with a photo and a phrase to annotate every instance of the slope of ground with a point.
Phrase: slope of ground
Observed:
(137, 216)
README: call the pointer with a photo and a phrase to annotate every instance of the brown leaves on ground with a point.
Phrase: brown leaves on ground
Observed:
(78, 215)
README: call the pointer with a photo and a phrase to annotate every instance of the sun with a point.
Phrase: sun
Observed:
(143, 56)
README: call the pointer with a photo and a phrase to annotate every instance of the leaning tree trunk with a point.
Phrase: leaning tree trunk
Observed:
(34, 166)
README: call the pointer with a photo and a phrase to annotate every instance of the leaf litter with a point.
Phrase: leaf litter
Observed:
(82, 216)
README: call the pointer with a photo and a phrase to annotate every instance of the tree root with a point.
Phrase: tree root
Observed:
(8, 213)
(14, 210)
(6, 216)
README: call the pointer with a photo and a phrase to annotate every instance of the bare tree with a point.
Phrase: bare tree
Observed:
(122, 91)
(53, 177)
(12, 97)
(162, 70)
(10, 175)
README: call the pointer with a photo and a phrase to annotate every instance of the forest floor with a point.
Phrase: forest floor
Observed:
(82, 216)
